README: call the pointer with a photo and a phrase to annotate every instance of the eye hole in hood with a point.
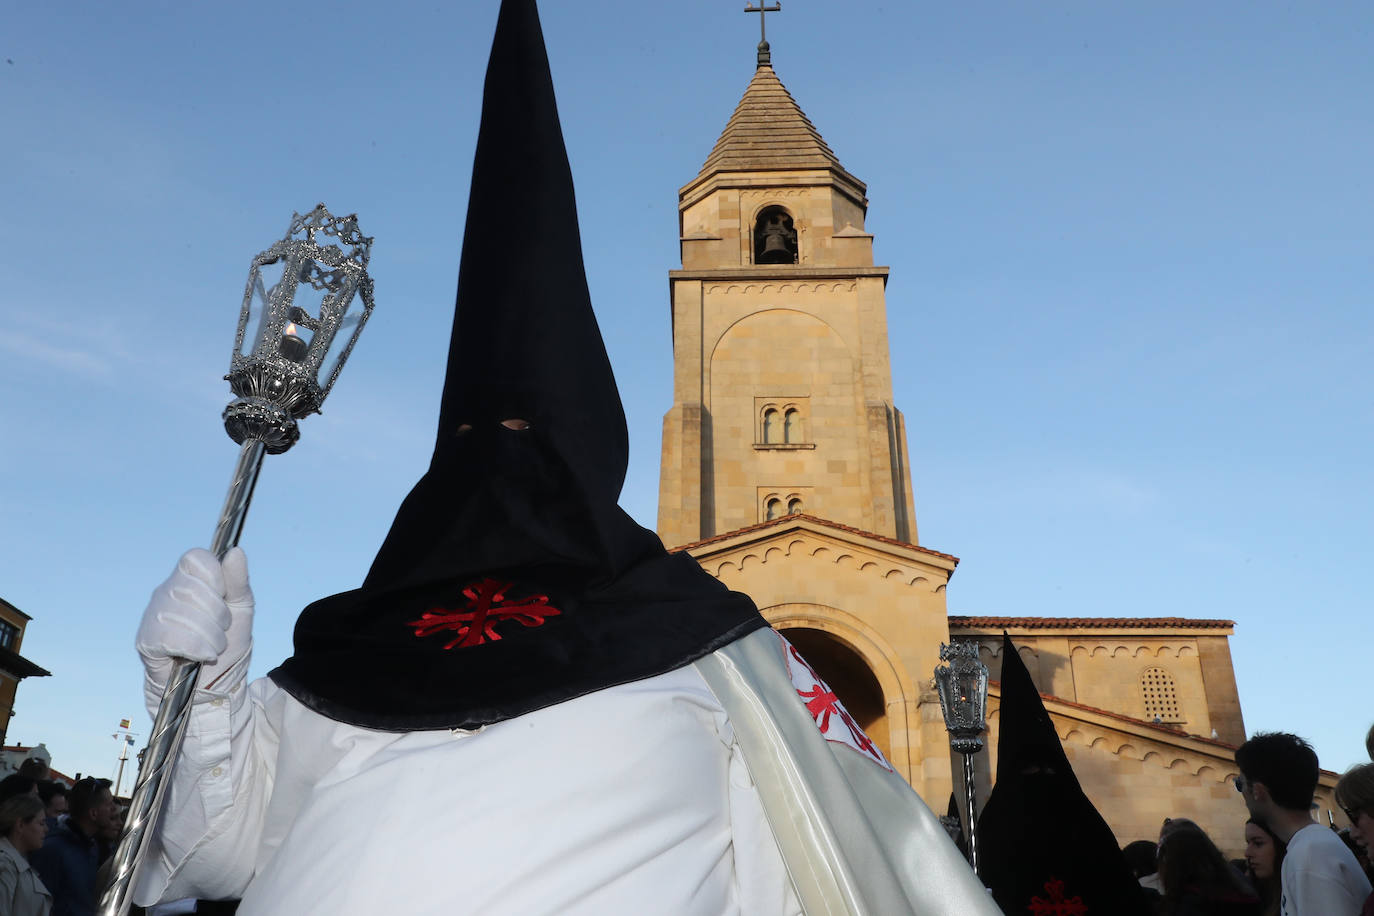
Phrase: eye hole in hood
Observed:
(514, 423)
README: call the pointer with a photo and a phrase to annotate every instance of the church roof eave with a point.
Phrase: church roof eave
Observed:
(729, 540)
(1165, 734)
(995, 625)
(1073, 710)
(835, 177)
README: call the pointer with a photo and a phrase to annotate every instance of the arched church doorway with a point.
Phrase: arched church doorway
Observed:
(844, 670)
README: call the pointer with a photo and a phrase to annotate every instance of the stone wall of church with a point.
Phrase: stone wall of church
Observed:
(794, 406)
(1136, 783)
(881, 602)
(1174, 675)
(781, 363)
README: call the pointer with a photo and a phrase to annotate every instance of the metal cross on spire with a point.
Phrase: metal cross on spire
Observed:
(765, 59)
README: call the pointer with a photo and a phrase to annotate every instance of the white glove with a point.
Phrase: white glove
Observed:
(204, 613)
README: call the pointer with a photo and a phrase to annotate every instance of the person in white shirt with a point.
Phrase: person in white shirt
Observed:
(1278, 778)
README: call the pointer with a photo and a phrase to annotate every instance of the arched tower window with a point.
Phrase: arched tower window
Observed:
(1160, 694)
(775, 238)
(772, 427)
(772, 509)
(791, 426)
(794, 506)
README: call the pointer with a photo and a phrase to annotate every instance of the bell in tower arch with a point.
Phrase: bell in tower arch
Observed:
(775, 238)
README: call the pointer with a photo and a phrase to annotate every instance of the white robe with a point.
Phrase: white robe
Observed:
(634, 799)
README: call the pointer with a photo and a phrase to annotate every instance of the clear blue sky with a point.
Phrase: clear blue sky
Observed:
(1130, 297)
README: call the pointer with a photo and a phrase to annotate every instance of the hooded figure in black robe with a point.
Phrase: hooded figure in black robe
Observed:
(519, 507)
(1044, 848)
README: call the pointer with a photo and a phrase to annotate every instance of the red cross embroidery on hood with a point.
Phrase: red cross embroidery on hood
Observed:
(486, 607)
(1057, 905)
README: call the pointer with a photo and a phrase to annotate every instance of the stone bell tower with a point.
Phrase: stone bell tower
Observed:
(783, 389)
(784, 468)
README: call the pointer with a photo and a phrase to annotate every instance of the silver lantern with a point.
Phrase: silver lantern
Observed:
(306, 301)
(962, 683)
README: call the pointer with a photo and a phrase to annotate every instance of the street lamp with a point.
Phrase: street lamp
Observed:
(963, 687)
(300, 317)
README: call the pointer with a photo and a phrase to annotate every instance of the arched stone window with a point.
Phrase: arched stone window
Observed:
(775, 238)
(794, 506)
(772, 426)
(1160, 694)
(781, 421)
(772, 509)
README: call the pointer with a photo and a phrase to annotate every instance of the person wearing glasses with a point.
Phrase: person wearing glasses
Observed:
(1355, 795)
(1320, 876)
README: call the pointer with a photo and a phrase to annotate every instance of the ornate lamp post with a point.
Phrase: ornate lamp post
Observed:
(300, 318)
(963, 687)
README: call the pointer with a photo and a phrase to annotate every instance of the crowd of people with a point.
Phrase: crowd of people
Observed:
(1293, 864)
(54, 840)
(57, 843)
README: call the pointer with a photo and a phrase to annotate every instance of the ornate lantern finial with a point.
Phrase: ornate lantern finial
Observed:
(963, 689)
(299, 321)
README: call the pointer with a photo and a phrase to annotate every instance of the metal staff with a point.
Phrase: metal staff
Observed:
(297, 326)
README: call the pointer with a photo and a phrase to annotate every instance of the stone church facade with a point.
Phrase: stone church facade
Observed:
(785, 474)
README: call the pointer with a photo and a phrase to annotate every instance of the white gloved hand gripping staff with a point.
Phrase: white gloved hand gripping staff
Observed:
(203, 613)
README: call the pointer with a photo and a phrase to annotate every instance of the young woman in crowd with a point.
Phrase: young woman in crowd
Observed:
(22, 829)
(1197, 879)
(1355, 795)
(1264, 864)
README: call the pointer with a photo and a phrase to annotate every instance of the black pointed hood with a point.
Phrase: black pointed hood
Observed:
(511, 579)
(1039, 834)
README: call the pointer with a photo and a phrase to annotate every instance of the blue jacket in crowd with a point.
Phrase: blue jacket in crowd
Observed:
(67, 863)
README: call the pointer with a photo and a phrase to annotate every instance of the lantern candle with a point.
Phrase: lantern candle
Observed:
(292, 346)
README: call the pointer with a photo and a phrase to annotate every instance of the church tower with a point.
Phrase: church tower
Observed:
(784, 466)
(782, 382)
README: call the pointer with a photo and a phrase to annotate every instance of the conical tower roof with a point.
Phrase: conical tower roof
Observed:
(769, 131)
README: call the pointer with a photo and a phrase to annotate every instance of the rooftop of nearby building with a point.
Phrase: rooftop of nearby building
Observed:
(9, 607)
(16, 665)
(12, 755)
